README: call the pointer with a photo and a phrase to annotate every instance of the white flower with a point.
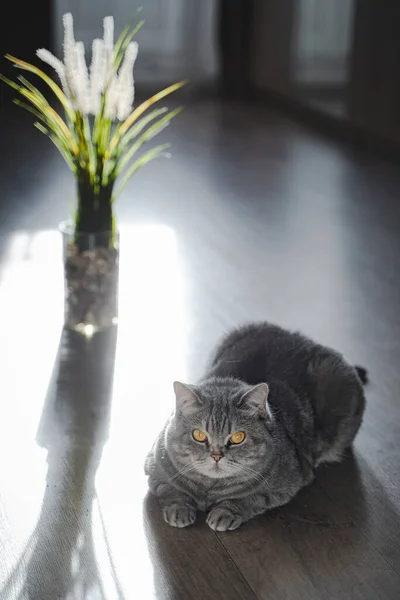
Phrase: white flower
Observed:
(108, 37)
(69, 53)
(69, 39)
(108, 28)
(126, 82)
(73, 73)
(84, 92)
(82, 80)
(77, 77)
(54, 62)
(119, 87)
(97, 75)
(112, 96)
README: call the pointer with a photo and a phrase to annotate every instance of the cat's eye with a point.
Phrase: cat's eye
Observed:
(199, 436)
(237, 438)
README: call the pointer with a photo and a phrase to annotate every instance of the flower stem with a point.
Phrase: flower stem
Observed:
(94, 213)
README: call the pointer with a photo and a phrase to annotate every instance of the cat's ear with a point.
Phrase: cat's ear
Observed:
(187, 401)
(255, 400)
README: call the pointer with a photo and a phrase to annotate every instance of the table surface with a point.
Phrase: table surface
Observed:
(254, 218)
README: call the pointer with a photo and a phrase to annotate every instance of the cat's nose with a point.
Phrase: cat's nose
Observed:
(216, 457)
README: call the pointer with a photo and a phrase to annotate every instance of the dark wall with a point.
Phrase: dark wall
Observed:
(25, 26)
(374, 83)
(274, 22)
(235, 33)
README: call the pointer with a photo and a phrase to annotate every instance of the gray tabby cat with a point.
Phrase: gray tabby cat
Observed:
(271, 408)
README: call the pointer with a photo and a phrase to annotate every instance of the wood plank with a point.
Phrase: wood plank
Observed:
(367, 486)
(190, 563)
(310, 549)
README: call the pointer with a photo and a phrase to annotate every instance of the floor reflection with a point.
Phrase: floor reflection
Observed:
(30, 324)
(59, 560)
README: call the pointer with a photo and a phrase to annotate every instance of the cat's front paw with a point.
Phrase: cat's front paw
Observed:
(179, 515)
(223, 519)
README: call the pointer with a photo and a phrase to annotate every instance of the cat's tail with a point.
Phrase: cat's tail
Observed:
(362, 373)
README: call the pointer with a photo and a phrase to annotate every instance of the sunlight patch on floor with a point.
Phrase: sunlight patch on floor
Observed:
(151, 352)
(30, 322)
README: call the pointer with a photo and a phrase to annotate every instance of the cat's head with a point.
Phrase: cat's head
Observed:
(221, 428)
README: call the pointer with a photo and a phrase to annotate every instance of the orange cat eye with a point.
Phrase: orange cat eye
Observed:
(199, 436)
(237, 438)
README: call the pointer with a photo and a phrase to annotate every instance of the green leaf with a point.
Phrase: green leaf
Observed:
(99, 119)
(48, 114)
(120, 40)
(140, 125)
(52, 84)
(9, 82)
(118, 44)
(53, 119)
(143, 160)
(89, 144)
(32, 88)
(104, 136)
(120, 55)
(40, 126)
(150, 133)
(30, 109)
(129, 121)
(64, 153)
(111, 164)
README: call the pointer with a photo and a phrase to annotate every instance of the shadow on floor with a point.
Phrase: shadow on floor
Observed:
(59, 559)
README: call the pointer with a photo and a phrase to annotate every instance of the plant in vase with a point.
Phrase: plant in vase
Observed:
(99, 137)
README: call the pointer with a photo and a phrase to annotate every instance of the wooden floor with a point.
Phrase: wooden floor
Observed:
(255, 217)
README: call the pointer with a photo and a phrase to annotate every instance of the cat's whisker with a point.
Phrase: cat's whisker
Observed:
(186, 469)
(260, 478)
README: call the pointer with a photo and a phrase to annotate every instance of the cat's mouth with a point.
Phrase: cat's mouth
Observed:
(215, 469)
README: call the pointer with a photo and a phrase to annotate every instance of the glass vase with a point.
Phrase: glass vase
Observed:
(91, 273)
